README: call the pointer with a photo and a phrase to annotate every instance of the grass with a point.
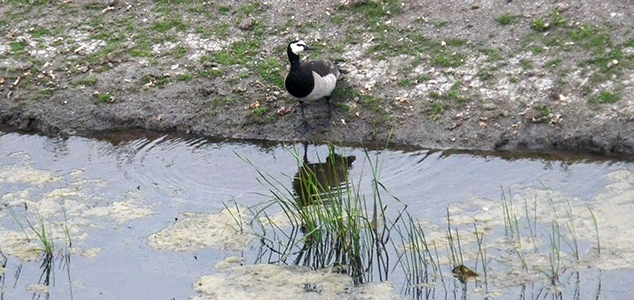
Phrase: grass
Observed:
(371, 103)
(40, 32)
(334, 226)
(436, 109)
(183, 77)
(87, 81)
(167, 25)
(605, 98)
(405, 83)
(373, 12)
(223, 102)
(544, 112)
(537, 50)
(506, 19)
(452, 95)
(446, 60)
(271, 71)
(142, 46)
(210, 73)
(104, 98)
(493, 55)
(486, 74)
(18, 47)
(540, 25)
(179, 51)
(163, 80)
(337, 223)
(239, 53)
(259, 111)
(29, 2)
(553, 63)
(224, 10)
(39, 230)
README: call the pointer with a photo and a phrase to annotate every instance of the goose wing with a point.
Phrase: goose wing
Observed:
(324, 67)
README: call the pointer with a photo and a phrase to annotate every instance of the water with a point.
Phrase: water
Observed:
(118, 197)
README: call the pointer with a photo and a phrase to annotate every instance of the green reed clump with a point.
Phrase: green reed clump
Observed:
(419, 265)
(332, 224)
(47, 246)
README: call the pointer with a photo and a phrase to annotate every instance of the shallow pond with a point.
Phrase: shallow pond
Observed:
(139, 215)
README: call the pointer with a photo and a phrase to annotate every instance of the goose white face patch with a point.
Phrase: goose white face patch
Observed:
(298, 46)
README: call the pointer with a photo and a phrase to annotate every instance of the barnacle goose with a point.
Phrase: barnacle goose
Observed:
(311, 80)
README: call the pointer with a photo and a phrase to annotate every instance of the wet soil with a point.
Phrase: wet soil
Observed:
(512, 75)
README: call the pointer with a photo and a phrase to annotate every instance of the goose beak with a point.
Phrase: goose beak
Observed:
(307, 48)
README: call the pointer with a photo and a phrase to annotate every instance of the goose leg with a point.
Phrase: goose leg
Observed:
(330, 109)
(304, 127)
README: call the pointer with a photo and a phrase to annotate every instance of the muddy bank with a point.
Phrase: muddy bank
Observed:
(487, 75)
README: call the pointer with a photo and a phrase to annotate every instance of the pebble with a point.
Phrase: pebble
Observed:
(489, 106)
(562, 6)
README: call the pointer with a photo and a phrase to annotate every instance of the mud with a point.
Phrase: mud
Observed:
(512, 75)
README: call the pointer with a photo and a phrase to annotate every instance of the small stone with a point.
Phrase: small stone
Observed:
(254, 105)
(612, 63)
(489, 106)
(562, 6)
(246, 24)
(283, 111)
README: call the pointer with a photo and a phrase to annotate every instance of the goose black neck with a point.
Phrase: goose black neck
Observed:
(292, 57)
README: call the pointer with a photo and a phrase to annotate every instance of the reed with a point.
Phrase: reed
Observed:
(481, 255)
(419, 266)
(596, 229)
(332, 224)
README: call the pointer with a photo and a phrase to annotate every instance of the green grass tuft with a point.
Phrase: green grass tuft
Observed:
(271, 71)
(605, 98)
(165, 26)
(239, 53)
(18, 47)
(445, 59)
(88, 81)
(506, 19)
(258, 111)
(184, 77)
(104, 98)
(540, 25)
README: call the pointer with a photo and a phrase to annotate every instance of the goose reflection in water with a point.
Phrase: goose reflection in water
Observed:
(316, 183)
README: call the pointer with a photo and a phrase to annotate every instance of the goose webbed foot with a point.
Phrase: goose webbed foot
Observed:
(326, 123)
(304, 128)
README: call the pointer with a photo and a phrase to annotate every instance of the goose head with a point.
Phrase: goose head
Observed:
(296, 47)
